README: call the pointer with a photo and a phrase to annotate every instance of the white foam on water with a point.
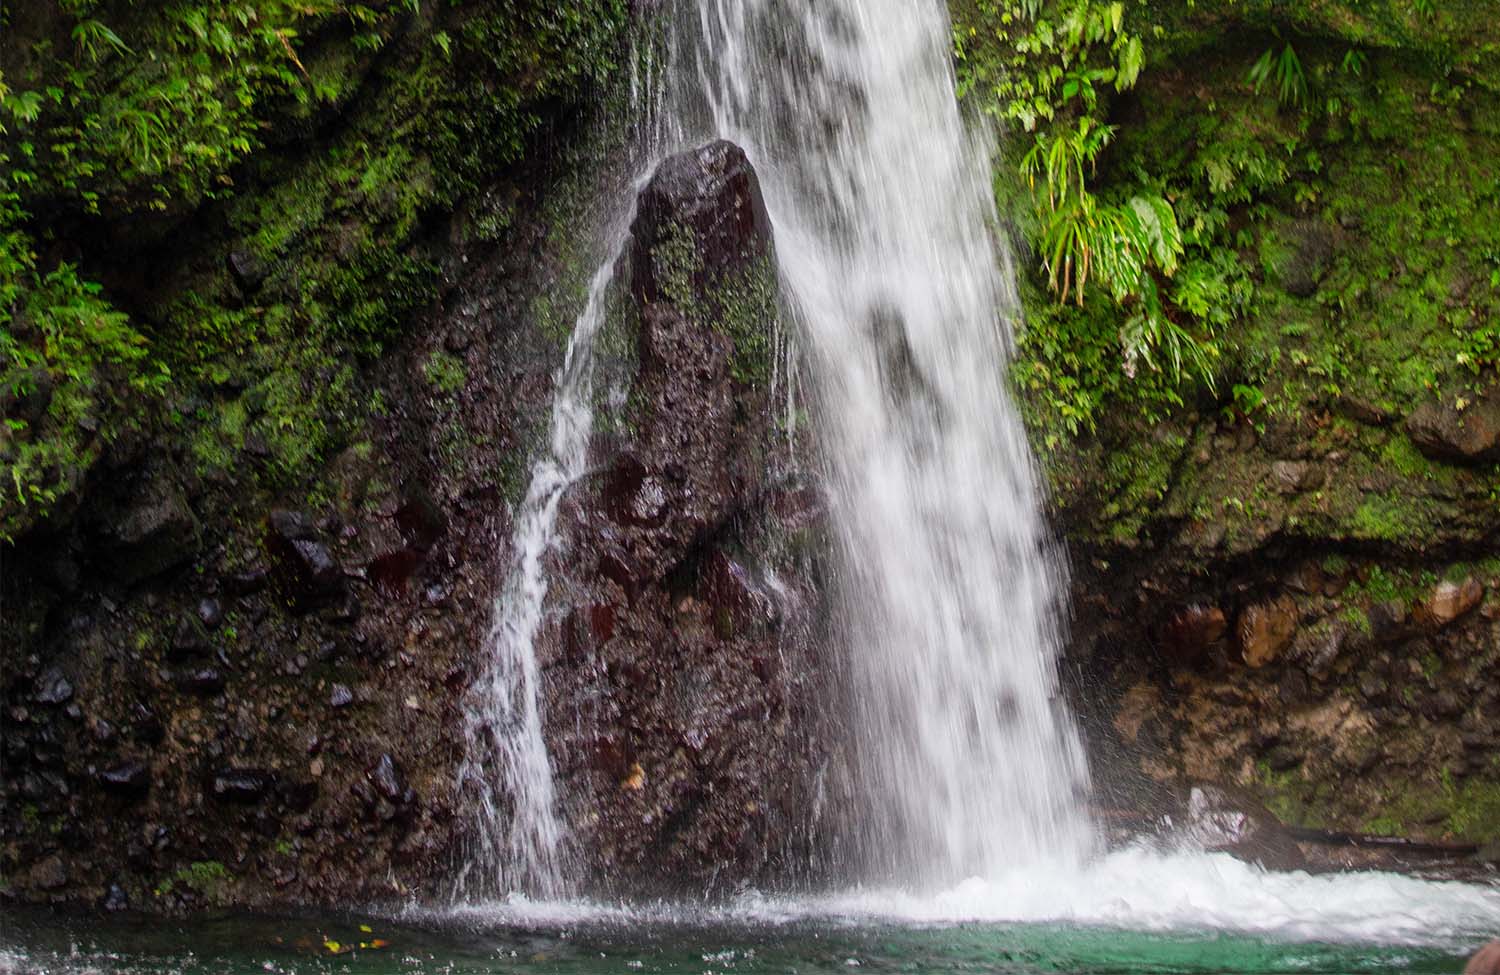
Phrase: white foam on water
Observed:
(1134, 889)
(1143, 890)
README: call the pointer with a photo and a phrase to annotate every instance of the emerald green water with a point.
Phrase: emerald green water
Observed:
(32, 942)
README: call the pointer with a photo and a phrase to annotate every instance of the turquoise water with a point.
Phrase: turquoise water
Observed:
(35, 942)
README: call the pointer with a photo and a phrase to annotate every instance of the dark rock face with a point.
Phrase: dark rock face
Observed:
(152, 529)
(245, 786)
(708, 200)
(684, 636)
(196, 671)
(308, 571)
(132, 779)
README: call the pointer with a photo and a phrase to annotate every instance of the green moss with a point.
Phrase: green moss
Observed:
(748, 311)
(445, 372)
(207, 878)
(1385, 517)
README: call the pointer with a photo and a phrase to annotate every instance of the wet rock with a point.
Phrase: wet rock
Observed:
(308, 571)
(1471, 435)
(210, 613)
(1265, 630)
(633, 496)
(710, 193)
(1447, 602)
(1387, 620)
(247, 583)
(130, 779)
(617, 565)
(115, 899)
(206, 681)
(421, 521)
(248, 271)
(291, 525)
(145, 726)
(241, 785)
(385, 776)
(155, 529)
(1189, 632)
(727, 585)
(49, 874)
(588, 628)
(340, 697)
(52, 687)
(189, 639)
(391, 573)
(1229, 821)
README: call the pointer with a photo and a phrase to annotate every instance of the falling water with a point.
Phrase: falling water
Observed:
(519, 843)
(880, 200)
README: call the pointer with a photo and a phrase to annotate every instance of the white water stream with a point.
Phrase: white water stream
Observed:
(970, 768)
(882, 207)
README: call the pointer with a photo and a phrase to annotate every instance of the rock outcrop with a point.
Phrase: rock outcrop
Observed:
(685, 668)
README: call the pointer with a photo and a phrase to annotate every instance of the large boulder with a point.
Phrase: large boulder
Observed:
(685, 623)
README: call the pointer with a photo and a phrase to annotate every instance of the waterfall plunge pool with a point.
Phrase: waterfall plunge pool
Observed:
(1130, 912)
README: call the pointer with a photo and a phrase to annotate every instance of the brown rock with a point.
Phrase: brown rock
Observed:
(1441, 430)
(49, 874)
(1265, 630)
(1293, 476)
(1189, 632)
(1447, 602)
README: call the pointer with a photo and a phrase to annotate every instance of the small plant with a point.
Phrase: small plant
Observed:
(1282, 69)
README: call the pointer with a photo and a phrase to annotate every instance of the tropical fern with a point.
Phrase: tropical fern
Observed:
(1283, 69)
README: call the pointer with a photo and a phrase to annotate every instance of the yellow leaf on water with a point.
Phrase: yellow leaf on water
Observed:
(332, 946)
(366, 928)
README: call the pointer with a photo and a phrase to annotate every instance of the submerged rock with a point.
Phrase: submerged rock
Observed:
(1227, 821)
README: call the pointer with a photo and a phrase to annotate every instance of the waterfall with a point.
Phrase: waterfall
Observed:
(966, 759)
(881, 201)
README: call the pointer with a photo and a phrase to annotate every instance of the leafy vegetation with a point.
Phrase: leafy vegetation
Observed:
(319, 139)
(1266, 209)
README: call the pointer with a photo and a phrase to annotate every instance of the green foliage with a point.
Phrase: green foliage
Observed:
(69, 349)
(1362, 166)
(1051, 66)
(445, 372)
(114, 112)
(1283, 70)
